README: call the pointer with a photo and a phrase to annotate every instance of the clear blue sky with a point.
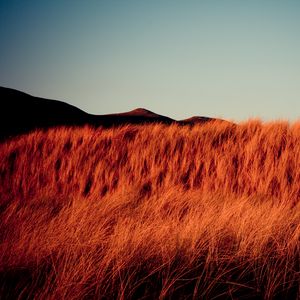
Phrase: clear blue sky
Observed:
(231, 59)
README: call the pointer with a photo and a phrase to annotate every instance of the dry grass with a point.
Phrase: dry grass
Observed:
(154, 211)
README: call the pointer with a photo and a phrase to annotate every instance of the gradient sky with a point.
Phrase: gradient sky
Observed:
(231, 59)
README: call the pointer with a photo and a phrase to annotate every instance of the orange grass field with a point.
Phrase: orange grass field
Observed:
(152, 212)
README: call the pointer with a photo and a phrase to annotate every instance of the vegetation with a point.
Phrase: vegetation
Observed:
(152, 211)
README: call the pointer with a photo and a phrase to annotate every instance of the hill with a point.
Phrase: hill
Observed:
(21, 113)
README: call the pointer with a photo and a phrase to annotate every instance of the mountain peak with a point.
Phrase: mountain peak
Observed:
(196, 119)
(142, 112)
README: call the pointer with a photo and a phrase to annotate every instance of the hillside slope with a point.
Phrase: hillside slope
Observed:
(21, 113)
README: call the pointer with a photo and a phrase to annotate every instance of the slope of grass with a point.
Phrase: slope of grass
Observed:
(155, 211)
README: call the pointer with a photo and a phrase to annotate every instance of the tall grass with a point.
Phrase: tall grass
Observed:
(154, 211)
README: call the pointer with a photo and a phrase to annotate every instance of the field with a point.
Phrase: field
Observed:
(152, 211)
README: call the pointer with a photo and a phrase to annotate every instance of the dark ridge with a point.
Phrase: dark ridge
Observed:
(195, 120)
(21, 113)
(136, 116)
(141, 112)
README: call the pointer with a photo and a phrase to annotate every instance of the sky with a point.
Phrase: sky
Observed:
(230, 59)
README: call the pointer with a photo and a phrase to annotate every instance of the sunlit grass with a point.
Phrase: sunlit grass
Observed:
(155, 211)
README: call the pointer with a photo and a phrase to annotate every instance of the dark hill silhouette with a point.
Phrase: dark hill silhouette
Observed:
(136, 116)
(21, 113)
(195, 120)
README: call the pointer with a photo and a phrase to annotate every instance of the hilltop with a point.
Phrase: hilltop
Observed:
(21, 113)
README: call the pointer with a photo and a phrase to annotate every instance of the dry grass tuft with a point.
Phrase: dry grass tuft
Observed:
(154, 211)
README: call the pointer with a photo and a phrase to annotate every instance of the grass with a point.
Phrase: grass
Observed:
(153, 211)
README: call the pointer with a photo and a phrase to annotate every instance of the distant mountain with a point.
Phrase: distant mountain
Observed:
(195, 120)
(136, 116)
(20, 113)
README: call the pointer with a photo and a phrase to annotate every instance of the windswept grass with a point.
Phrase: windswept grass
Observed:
(153, 211)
